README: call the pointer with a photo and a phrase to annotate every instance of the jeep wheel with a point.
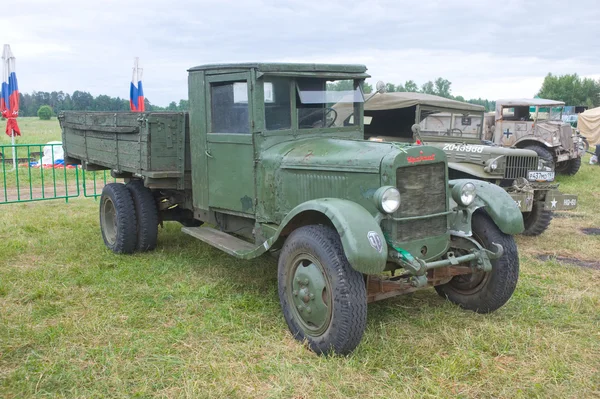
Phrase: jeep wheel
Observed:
(146, 215)
(543, 153)
(485, 292)
(117, 219)
(324, 301)
(569, 167)
(536, 221)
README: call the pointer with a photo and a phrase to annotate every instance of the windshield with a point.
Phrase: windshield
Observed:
(550, 113)
(324, 104)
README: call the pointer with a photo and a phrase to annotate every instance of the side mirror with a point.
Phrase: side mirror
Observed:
(381, 87)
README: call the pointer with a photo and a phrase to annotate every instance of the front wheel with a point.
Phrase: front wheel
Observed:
(569, 167)
(324, 301)
(538, 220)
(484, 292)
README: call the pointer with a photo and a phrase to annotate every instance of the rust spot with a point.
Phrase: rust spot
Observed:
(308, 156)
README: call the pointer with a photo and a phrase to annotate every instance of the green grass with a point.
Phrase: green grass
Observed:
(33, 131)
(190, 321)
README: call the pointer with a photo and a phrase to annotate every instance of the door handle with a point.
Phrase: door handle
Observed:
(208, 154)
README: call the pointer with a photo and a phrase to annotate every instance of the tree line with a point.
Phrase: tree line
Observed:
(572, 89)
(29, 104)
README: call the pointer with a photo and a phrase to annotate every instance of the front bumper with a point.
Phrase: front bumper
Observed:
(557, 201)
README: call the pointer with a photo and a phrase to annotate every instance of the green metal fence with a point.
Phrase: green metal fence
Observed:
(36, 172)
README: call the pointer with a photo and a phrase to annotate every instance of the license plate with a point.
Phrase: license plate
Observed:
(536, 175)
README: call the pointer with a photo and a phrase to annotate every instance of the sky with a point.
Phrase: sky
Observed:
(486, 49)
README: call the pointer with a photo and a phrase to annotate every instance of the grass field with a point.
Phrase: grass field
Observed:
(189, 321)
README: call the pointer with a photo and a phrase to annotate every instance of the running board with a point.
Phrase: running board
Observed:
(225, 242)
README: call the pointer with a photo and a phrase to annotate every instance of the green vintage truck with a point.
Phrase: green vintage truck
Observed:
(456, 128)
(260, 165)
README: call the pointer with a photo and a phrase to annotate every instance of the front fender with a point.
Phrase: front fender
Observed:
(497, 203)
(361, 236)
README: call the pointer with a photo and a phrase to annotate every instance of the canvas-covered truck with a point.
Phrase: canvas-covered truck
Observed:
(260, 165)
(537, 124)
(456, 128)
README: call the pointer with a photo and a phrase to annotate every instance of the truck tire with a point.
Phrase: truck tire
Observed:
(324, 301)
(536, 221)
(146, 214)
(569, 167)
(485, 292)
(117, 219)
(543, 153)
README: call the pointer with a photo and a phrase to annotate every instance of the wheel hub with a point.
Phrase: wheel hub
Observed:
(311, 296)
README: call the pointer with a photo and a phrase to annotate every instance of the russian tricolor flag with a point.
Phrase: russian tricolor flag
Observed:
(136, 93)
(9, 95)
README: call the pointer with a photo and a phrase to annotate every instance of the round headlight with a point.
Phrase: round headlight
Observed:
(464, 194)
(467, 194)
(387, 199)
(494, 165)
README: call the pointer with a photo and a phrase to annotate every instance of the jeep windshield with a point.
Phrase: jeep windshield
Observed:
(550, 114)
(319, 102)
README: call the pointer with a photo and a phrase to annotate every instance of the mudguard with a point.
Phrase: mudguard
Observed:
(497, 203)
(361, 236)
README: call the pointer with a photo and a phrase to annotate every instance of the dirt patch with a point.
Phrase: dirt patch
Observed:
(567, 215)
(591, 231)
(573, 261)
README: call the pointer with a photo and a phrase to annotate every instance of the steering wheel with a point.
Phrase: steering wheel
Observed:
(321, 123)
(449, 132)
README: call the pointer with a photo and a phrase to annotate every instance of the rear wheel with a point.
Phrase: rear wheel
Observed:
(117, 219)
(569, 167)
(146, 215)
(485, 292)
(324, 301)
(538, 220)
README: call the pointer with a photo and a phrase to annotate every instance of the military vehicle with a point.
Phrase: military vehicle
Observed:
(259, 165)
(537, 124)
(456, 128)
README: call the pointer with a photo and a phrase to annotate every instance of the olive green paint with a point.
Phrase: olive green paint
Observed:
(278, 180)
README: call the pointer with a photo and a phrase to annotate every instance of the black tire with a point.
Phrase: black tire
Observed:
(543, 153)
(341, 293)
(146, 214)
(538, 220)
(569, 167)
(117, 219)
(485, 292)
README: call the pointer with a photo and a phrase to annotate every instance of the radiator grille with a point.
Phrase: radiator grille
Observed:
(518, 166)
(422, 192)
(566, 137)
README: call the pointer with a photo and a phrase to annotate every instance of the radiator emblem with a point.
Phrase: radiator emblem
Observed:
(375, 240)
(421, 158)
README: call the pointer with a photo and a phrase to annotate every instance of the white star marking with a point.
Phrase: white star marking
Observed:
(553, 202)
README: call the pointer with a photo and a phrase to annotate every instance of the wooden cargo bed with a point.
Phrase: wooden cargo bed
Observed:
(154, 145)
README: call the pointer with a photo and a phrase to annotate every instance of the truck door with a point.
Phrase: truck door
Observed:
(229, 143)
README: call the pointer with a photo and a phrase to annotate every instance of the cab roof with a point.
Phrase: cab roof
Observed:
(290, 69)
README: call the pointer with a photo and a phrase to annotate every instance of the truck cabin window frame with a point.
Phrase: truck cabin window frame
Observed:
(278, 103)
(320, 103)
(229, 107)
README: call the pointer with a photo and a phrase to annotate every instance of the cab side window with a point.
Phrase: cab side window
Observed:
(278, 108)
(229, 107)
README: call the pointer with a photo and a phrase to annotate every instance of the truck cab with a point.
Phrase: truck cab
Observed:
(266, 161)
